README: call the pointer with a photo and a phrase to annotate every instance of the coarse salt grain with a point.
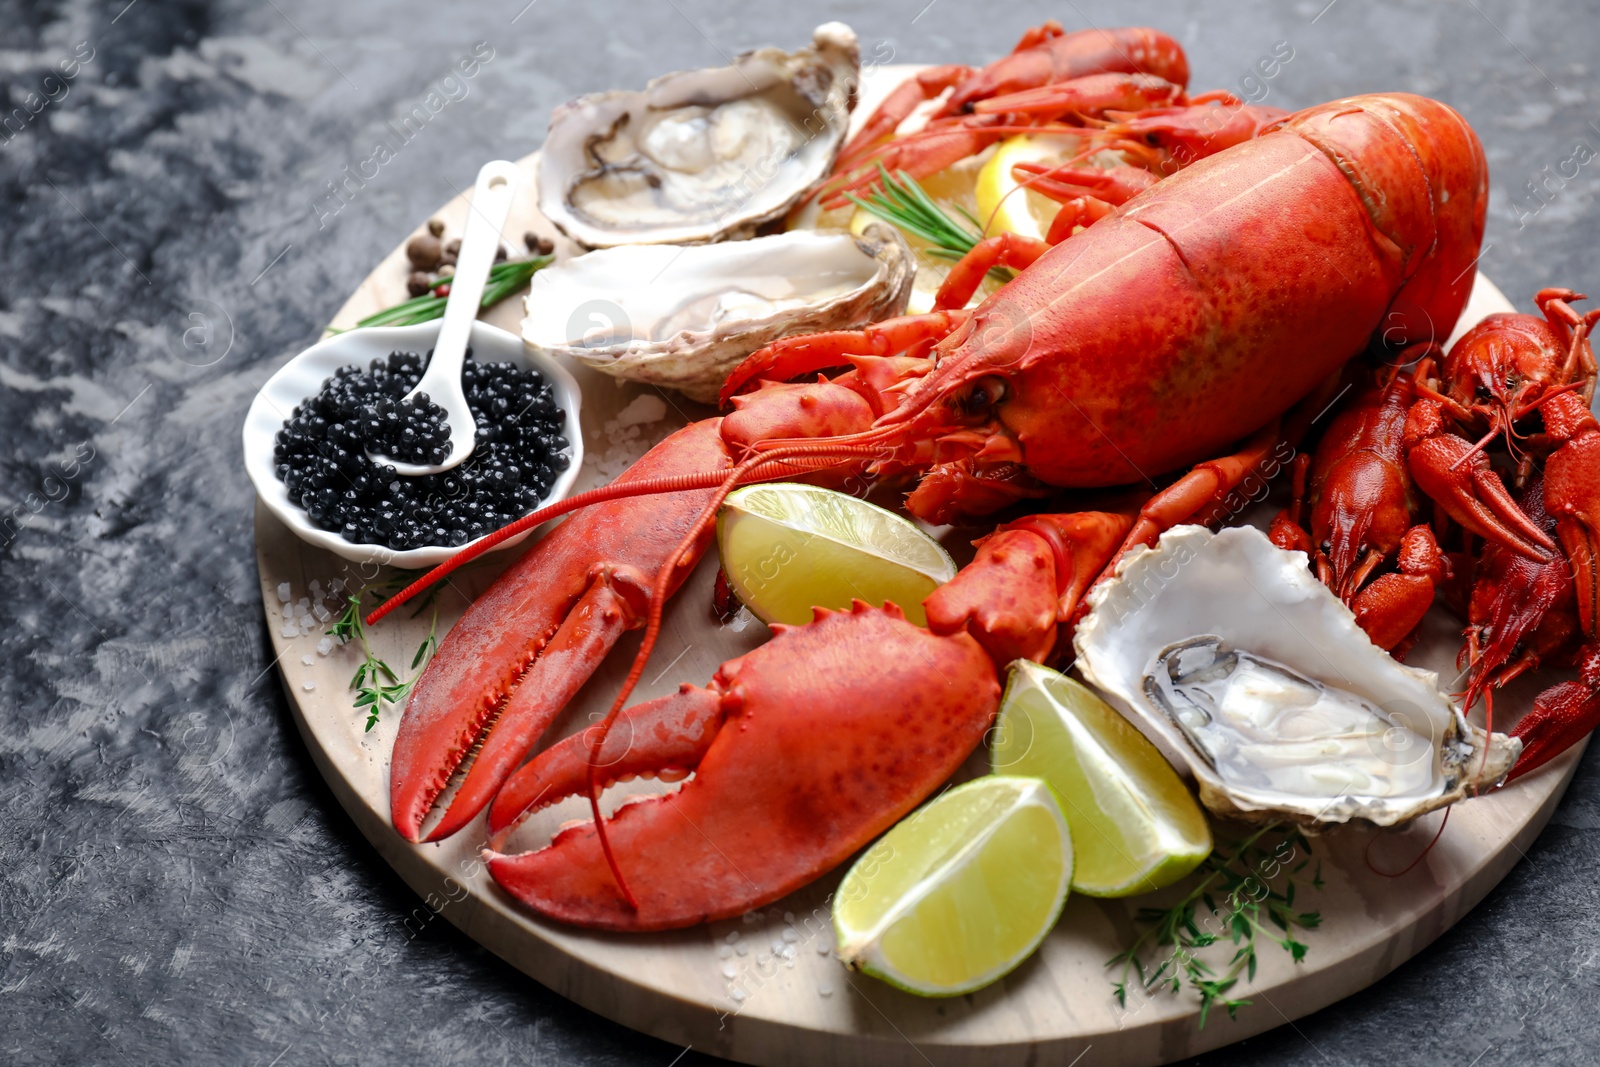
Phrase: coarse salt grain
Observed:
(724, 950)
(733, 935)
(823, 948)
(290, 629)
(644, 408)
(729, 970)
(324, 646)
(791, 934)
(307, 660)
(742, 949)
(824, 990)
(284, 592)
(308, 685)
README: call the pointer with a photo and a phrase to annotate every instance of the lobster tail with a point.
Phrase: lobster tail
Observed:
(1421, 174)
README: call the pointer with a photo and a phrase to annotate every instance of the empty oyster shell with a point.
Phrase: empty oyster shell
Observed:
(1231, 656)
(700, 155)
(684, 317)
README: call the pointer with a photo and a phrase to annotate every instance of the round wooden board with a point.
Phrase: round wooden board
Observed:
(677, 986)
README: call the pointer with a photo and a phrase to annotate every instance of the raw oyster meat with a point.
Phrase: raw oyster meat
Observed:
(700, 155)
(1230, 655)
(683, 317)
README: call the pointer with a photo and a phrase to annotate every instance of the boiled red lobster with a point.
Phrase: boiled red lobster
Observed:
(1120, 90)
(1523, 382)
(1189, 322)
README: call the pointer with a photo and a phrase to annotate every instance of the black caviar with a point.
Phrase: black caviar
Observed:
(321, 453)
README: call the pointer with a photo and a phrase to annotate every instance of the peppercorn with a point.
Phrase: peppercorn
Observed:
(423, 251)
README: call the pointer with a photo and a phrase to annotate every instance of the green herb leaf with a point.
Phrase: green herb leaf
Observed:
(504, 279)
(1251, 899)
(901, 201)
(370, 692)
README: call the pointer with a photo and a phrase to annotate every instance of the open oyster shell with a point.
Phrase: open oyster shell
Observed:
(1231, 656)
(700, 155)
(683, 317)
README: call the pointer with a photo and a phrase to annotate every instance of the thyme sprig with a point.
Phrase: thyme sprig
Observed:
(1240, 903)
(375, 682)
(504, 279)
(901, 201)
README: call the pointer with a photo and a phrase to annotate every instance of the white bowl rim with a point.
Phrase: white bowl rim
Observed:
(302, 377)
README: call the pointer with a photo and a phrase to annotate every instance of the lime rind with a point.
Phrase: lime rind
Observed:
(977, 817)
(847, 521)
(787, 548)
(1136, 827)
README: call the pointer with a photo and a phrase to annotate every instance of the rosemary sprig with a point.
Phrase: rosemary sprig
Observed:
(1240, 903)
(901, 201)
(375, 682)
(504, 279)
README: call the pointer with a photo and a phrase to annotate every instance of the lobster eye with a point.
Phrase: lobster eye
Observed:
(985, 394)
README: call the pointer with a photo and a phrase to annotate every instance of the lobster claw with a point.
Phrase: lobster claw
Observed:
(1457, 476)
(525, 647)
(781, 792)
(1572, 495)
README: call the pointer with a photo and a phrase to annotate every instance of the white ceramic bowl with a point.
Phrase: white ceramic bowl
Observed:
(303, 376)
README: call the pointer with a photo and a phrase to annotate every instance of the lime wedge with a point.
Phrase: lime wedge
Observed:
(787, 548)
(961, 891)
(1135, 826)
(1002, 205)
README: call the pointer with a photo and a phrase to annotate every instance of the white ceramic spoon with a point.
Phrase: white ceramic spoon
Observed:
(491, 203)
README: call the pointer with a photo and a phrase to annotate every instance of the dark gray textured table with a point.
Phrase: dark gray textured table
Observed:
(176, 883)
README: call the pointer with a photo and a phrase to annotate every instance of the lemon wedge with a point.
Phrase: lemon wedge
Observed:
(787, 548)
(1135, 825)
(1002, 203)
(961, 891)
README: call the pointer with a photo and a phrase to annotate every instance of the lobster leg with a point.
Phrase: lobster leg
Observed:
(791, 357)
(1561, 716)
(898, 106)
(1572, 495)
(1114, 185)
(1198, 495)
(919, 155)
(1002, 250)
(1092, 94)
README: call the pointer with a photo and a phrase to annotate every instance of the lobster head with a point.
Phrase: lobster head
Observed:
(1503, 367)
